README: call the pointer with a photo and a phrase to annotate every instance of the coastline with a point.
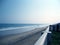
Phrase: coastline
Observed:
(12, 39)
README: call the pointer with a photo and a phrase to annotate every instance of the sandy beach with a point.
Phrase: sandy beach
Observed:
(26, 38)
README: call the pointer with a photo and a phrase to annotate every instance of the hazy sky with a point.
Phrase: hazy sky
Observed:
(30, 11)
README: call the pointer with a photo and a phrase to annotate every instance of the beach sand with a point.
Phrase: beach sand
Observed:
(26, 38)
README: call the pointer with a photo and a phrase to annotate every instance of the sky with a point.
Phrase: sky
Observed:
(30, 11)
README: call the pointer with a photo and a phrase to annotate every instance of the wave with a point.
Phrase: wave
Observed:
(12, 28)
(15, 30)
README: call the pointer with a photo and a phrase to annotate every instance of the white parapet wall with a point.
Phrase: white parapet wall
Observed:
(42, 39)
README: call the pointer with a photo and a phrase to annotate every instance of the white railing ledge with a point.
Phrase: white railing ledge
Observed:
(42, 39)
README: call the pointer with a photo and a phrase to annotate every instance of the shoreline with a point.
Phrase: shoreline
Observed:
(14, 38)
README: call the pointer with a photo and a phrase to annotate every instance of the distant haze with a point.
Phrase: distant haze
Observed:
(30, 11)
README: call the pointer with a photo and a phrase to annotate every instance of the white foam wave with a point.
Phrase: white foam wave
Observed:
(25, 27)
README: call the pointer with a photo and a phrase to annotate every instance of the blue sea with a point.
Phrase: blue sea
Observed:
(16, 25)
(8, 29)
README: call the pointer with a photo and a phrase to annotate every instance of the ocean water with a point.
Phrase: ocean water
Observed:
(15, 25)
(8, 29)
